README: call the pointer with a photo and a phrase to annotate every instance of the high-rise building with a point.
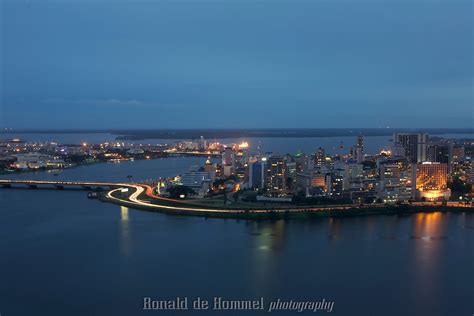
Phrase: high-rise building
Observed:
(415, 145)
(360, 141)
(303, 163)
(396, 181)
(257, 174)
(319, 157)
(276, 176)
(358, 150)
(432, 180)
(290, 173)
(227, 156)
(442, 153)
(228, 162)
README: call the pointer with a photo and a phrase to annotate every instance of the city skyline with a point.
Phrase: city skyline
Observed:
(242, 65)
(236, 157)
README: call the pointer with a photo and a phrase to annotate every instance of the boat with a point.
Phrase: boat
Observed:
(93, 195)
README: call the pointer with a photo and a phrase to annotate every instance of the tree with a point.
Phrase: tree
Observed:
(179, 190)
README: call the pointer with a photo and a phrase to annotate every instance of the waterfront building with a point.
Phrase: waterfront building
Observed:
(415, 145)
(188, 146)
(31, 161)
(198, 179)
(396, 181)
(432, 180)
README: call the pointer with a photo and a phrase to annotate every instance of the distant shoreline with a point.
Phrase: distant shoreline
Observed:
(140, 134)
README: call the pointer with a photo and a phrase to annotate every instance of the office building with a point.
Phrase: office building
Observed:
(276, 176)
(415, 145)
(257, 174)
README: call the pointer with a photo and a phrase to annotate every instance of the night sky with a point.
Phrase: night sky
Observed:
(214, 64)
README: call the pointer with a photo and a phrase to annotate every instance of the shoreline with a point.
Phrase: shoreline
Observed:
(270, 214)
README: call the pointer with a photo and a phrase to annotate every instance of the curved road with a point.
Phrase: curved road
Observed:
(148, 190)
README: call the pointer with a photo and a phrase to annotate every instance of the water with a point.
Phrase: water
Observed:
(63, 254)
(140, 170)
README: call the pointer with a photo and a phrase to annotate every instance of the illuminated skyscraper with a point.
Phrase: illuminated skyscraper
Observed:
(276, 176)
(396, 181)
(432, 180)
(319, 157)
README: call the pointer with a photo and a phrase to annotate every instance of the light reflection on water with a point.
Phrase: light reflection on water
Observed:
(124, 231)
(429, 233)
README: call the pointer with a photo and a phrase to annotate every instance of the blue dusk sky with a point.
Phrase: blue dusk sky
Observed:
(236, 63)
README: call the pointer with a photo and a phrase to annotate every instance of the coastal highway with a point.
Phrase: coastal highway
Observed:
(183, 206)
(133, 198)
(142, 188)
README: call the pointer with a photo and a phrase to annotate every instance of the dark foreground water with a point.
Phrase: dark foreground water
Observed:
(63, 254)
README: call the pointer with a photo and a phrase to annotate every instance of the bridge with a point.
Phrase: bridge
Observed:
(60, 185)
(172, 153)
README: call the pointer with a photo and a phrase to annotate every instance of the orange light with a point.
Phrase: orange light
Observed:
(243, 145)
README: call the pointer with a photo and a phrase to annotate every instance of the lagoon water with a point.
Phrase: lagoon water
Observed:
(281, 145)
(63, 254)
